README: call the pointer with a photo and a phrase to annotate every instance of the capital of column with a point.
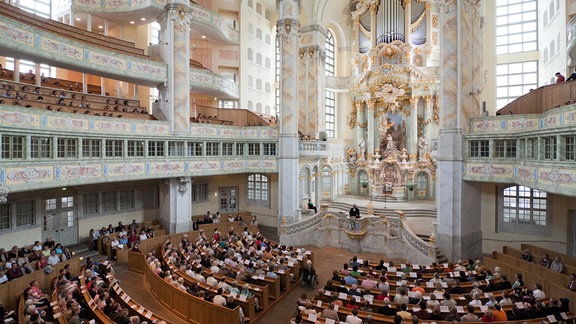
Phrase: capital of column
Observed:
(371, 103)
(414, 101)
(358, 105)
(180, 15)
(313, 51)
(287, 27)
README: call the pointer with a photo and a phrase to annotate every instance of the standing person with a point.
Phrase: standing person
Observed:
(354, 214)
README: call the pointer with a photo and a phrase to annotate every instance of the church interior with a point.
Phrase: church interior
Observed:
(250, 127)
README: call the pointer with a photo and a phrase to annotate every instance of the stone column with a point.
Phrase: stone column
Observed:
(459, 205)
(311, 91)
(412, 132)
(176, 204)
(373, 12)
(372, 127)
(428, 116)
(288, 30)
(175, 52)
(407, 20)
(17, 70)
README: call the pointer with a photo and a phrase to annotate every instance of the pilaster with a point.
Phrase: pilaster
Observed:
(412, 136)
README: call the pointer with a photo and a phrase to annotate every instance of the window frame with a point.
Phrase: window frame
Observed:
(510, 206)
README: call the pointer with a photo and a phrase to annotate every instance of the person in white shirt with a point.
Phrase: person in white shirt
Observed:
(37, 247)
(143, 235)
(538, 293)
(3, 277)
(476, 302)
(53, 258)
(219, 299)
(212, 281)
(353, 318)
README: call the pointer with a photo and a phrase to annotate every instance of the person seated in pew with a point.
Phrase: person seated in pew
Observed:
(469, 316)
(422, 311)
(527, 256)
(545, 261)
(557, 265)
(572, 283)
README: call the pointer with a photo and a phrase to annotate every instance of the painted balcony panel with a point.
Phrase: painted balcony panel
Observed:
(28, 174)
(30, 43)
(213, 84)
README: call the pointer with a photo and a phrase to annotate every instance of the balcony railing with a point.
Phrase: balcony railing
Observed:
(313, 148)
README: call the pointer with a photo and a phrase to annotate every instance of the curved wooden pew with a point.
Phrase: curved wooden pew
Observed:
(186, 306)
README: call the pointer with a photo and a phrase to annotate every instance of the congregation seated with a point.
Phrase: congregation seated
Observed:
(18, 262)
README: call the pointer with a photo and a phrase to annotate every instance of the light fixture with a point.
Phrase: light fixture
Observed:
(78, 19)
(100, 27)
(64, 189)
(203, 36)
(143, 19)
(131, 22)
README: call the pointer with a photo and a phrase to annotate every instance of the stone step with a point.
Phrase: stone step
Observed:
(82, 250)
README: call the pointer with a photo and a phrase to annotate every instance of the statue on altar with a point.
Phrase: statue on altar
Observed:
(362, 149)
(422, 148)
(351, 156)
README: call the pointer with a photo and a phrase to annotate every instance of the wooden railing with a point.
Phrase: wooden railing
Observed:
(238, 117)
(542, 99)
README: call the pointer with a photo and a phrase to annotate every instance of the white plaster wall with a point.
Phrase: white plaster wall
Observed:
(555, 29)
(266, 215)
(267, 75)
(492, 240)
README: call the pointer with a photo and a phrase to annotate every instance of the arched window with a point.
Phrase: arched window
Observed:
(259, 8)
(267, 63)
(258, 189)
(330, 102)
(259, 33)
(250, 104)
(250, 82)
(329, 65)
(258, 84)
(259, 58)
(267, 87)
(326, 181)
(250, 54)
(259, 107)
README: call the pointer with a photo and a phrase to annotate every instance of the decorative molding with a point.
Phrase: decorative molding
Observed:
(4, 194)
(183, 185)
